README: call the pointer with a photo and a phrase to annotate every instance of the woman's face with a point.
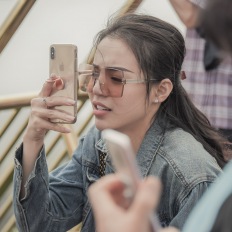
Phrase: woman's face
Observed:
(131, 112)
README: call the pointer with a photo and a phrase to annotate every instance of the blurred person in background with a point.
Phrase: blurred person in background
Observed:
(214, 209)
(208, 71)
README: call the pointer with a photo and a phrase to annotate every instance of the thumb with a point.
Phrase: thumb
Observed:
(50, 84)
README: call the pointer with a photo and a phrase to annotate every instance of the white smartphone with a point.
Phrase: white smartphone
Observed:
(63, 63)
(124, 161)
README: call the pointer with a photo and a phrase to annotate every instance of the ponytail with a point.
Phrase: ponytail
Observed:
(179, 111)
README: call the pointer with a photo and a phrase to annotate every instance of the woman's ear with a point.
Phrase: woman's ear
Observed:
(162, 91)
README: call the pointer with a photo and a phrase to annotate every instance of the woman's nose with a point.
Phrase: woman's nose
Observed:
(100, 87)
(97, 87)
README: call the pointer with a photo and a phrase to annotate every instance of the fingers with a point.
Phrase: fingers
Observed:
(54, 82)
(43, 108)
(45, 102)
(170, 229)
(104, 191)
(47, 88)
(50, 102)
(102, 197)
(42, 125)
(106, 185)
(147, 197)
(42, 111)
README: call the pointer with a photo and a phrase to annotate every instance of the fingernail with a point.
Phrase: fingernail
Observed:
(126, 180)
(70, 102)
(128, 193)
(50, 80)
(53, 76)
(69, 117)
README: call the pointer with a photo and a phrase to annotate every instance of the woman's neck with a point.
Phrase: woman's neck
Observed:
(136, 136)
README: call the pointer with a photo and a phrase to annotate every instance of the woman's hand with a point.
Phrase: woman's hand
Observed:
(106, 198)
(42, 111)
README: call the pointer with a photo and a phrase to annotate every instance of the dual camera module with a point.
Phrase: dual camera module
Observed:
(52, 53)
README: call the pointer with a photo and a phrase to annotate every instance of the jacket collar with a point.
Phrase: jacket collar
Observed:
(149, 148)
(147, 152)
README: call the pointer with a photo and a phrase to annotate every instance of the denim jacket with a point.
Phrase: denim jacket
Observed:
(208, 210)
(58, 201)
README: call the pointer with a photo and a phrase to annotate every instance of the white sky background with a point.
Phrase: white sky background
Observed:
(24, 61)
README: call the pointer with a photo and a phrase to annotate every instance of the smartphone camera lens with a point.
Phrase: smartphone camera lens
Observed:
(52, 53)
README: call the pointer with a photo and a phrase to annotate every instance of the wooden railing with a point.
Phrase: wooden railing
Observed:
(13, 21)
(14, 112)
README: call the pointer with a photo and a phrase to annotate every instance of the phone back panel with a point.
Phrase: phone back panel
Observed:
(63, 63)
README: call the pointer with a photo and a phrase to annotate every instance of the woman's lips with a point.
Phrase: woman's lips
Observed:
(100, 109)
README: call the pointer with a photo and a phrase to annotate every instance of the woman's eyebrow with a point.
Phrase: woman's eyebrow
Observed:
(120, 68)
(114, 67)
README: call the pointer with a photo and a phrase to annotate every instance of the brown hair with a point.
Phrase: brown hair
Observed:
(160, 49)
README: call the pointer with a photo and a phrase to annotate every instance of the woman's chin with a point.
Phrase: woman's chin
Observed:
(103, 125)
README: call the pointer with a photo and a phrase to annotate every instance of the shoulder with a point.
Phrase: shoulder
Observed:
(210, 204)
(187, 158)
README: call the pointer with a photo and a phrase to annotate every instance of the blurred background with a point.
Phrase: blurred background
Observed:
(24, 61)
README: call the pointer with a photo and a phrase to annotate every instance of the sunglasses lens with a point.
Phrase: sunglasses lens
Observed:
(85, 76)
(85, 82)
(114, 82)
(111, 83)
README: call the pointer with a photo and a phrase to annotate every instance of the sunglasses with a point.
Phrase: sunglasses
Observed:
(112, 84)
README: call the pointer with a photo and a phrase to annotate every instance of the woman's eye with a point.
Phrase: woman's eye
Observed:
(116, 76)
(116, 79)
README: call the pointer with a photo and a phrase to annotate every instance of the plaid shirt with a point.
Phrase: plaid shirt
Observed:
(210, 91)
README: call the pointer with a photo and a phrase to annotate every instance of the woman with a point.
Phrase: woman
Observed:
(134, 88)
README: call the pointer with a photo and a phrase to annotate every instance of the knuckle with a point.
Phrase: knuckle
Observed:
(33, 101)
(50, 113)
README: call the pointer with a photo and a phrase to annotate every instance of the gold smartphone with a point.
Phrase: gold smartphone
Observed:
(63, 63)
